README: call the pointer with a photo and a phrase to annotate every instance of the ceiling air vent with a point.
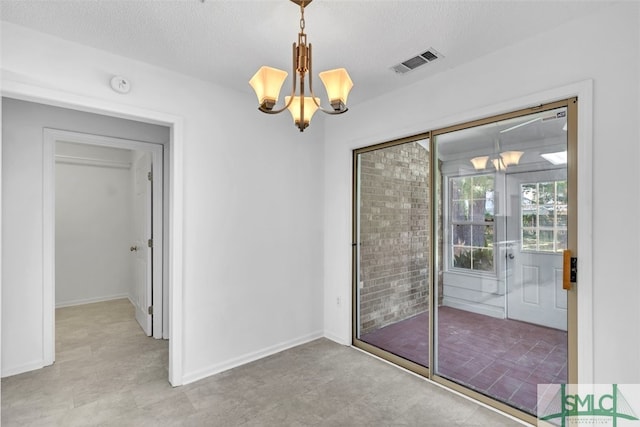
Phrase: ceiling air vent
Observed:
(417, 61)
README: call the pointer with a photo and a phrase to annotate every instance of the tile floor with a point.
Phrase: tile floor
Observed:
(502, 358)
(107, 373)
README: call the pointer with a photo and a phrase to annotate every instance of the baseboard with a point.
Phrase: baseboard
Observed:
(474, 308)
(335, 338)
(90, 300)
(31, 366)
(247, 358)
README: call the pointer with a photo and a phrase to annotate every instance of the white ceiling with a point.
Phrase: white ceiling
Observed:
(226, 41)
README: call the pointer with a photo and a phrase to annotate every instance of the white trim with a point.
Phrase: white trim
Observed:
(29, 92)
(585, 234)
(249, 357)
(83, 301)
(87, 161)
(31, 366)
(485, 310)
(48, 251)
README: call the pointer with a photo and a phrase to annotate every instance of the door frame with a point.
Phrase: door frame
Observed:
(175, 171)
(158, 209)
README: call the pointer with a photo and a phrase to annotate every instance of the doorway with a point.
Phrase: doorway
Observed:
(536, 236)
(23, 162)
(108, 223)
(141, 165)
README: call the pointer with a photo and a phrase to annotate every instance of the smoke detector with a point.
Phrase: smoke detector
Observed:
(410, 64)
(120, 84)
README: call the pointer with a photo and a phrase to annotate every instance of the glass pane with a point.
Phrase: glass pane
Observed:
(546, 241)
(529, 195)
(393, 249)
(462, 235)
(529, 240)
(547, 193)
(561, 193)
(529, 219)
(562, 218)
(546, 216)
(461, 257)
(460, 210)
(479, 210)
(483, 259)
(482, 235)
(463, 189)
(500, 326)
(561, 240)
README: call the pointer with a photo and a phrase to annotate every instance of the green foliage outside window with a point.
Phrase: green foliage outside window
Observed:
(471, 218)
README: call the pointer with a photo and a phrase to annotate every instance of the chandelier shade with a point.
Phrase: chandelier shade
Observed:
(480, 163)
(511, 158)
(500, 163)
(302, 114)
(268, 81)
(338, 85)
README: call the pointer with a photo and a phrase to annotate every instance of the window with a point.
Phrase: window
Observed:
(471, 219)
(543, 216)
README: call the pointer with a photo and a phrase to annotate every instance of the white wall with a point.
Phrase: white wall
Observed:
(253, 197)
(93, 223)
(554, 59)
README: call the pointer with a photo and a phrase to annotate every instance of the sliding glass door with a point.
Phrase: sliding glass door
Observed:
(391, 244)
(501, 317)
(458, 241)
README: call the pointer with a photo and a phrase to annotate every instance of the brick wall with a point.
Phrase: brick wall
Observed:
(394, 235)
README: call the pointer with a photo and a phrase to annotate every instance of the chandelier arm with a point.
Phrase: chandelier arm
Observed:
(293, 88)
(313, 96)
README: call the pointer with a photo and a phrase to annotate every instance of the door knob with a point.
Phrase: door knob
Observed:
(133, 248)
(510, 256)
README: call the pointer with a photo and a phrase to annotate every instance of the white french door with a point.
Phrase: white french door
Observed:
(536, 235)
(142, 250)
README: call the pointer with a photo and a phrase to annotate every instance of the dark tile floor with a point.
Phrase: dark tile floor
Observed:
(502, 358)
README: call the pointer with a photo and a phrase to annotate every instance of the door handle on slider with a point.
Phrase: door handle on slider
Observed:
(566, 270)
(133, 248)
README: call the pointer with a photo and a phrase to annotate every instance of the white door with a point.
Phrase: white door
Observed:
(536, 229)
(141, 250)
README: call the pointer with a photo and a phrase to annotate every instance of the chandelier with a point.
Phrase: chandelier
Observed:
(501, 162)
(268, 81)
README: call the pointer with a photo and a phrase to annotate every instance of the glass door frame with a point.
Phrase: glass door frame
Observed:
(434, 200)
(397, 360)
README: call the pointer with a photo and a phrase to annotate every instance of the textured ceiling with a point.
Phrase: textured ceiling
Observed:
(226, 41)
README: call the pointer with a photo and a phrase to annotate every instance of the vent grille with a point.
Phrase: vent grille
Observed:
(425, 57)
